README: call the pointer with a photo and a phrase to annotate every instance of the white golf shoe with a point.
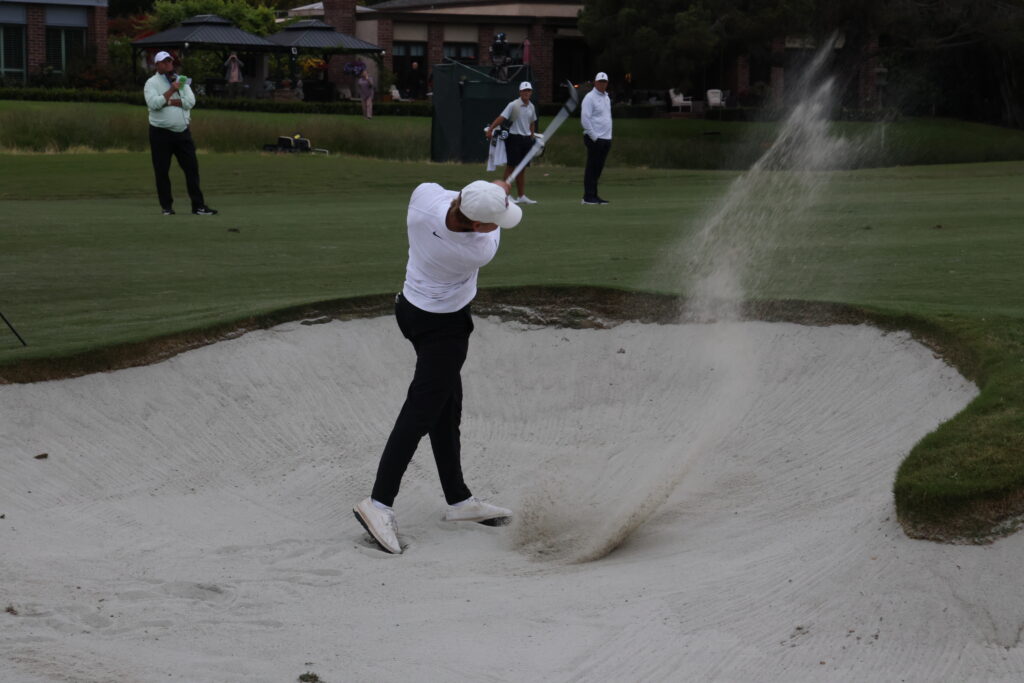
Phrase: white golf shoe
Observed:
(380, 524)
(475, 510)
(523, 199)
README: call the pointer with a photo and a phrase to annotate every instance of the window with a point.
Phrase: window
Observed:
(461, 52)
(12, 52)
(411, 80)
(64, 46)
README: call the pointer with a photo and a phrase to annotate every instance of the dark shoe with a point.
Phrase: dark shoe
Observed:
(589, 201)
(603, 201)
(204, 211)
(168, 212)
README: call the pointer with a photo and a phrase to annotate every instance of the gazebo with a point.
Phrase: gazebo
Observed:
(314, 36)
(204, 32)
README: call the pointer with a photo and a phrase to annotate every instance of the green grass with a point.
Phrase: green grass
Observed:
(88, 263)
(653, 143)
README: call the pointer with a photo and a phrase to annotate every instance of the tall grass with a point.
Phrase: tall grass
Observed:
(650, 143)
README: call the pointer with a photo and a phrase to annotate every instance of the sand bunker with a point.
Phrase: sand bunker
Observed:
(693, 503)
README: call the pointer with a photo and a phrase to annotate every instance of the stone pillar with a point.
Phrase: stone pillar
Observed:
(341, 14)
(96, 34)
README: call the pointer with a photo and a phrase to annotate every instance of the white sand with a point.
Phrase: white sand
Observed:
(712, 503)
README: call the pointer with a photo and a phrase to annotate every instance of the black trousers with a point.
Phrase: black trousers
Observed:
(433, 405)
(597, 152)
(163, 144)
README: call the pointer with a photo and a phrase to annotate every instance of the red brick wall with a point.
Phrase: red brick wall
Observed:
(341, 14)
(542, 54)
(35, 38)
(386, 41)
(435, 44)
(96, 34)
(484, 38)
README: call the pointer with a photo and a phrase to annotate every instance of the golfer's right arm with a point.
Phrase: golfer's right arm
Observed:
(157, 100)
(497, 122)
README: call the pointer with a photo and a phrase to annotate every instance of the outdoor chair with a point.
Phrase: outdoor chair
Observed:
(397, 96)
(715, 99)
(679, 100)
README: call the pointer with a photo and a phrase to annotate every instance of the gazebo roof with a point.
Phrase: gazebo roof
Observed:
(315, 34)
(206, 30)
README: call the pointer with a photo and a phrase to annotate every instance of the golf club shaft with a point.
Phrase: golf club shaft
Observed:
(563, 114)
(12, 329)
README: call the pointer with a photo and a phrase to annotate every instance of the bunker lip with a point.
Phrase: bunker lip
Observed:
(556, 306)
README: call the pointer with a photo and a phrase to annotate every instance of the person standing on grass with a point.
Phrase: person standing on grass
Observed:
(523, 116)
(366, 91)
(170, 101)
(451, 236)
(596, 117)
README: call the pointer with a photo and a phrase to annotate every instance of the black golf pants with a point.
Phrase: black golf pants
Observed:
(163, 144)
(597, 152)
(433, 405)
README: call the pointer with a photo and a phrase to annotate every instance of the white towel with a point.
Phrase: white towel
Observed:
(496, 157)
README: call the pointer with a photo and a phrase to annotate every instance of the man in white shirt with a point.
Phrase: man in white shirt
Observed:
(523, 117)
(596, 117)
(451, 236)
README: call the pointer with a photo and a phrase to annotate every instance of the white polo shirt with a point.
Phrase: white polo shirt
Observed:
(521, 115)
(596, 115)
(440, 276)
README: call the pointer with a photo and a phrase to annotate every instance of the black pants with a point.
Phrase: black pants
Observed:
(163, 144)
(434, 403)
(597, 152)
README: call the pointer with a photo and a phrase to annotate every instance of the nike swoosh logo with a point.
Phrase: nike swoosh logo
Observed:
(434, 233)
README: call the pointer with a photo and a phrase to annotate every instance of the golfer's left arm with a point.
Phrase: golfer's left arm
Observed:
(188, 98)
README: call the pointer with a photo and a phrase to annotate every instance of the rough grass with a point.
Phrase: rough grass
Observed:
(91, 274)
(49, 127)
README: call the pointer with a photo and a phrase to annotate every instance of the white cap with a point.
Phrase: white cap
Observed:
(161, 56)
(601, 76)
(525, 85)
(487, 202)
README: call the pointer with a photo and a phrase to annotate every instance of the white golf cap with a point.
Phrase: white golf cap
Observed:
(601, 76)
(161, 56)
(486, 202)
(525, 85)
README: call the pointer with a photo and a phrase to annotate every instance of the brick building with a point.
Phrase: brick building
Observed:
(50, 35)
(425, 32)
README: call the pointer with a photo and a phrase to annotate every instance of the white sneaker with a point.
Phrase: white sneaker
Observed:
(523, 199)
(380, 524)
(474, 510)
(514, 200)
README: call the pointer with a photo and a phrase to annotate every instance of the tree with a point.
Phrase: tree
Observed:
(248, 16)
(663, 43)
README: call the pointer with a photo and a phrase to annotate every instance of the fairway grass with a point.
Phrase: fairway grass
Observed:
(89, 266)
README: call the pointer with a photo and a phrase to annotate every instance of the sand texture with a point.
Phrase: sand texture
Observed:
(693, 502)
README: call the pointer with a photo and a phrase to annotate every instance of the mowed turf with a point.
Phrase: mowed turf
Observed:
(88, 262)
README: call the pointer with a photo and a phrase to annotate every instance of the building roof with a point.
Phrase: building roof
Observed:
(315, 34)
(401, 5)
(206, 30)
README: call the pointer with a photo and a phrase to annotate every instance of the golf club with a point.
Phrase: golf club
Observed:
(538, 145)
(4, 317)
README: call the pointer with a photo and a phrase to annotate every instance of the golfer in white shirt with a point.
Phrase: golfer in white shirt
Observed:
(596, 117)
(451, 236)
(521, 132)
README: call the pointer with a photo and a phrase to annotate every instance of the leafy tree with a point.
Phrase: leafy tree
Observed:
(248, 16)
